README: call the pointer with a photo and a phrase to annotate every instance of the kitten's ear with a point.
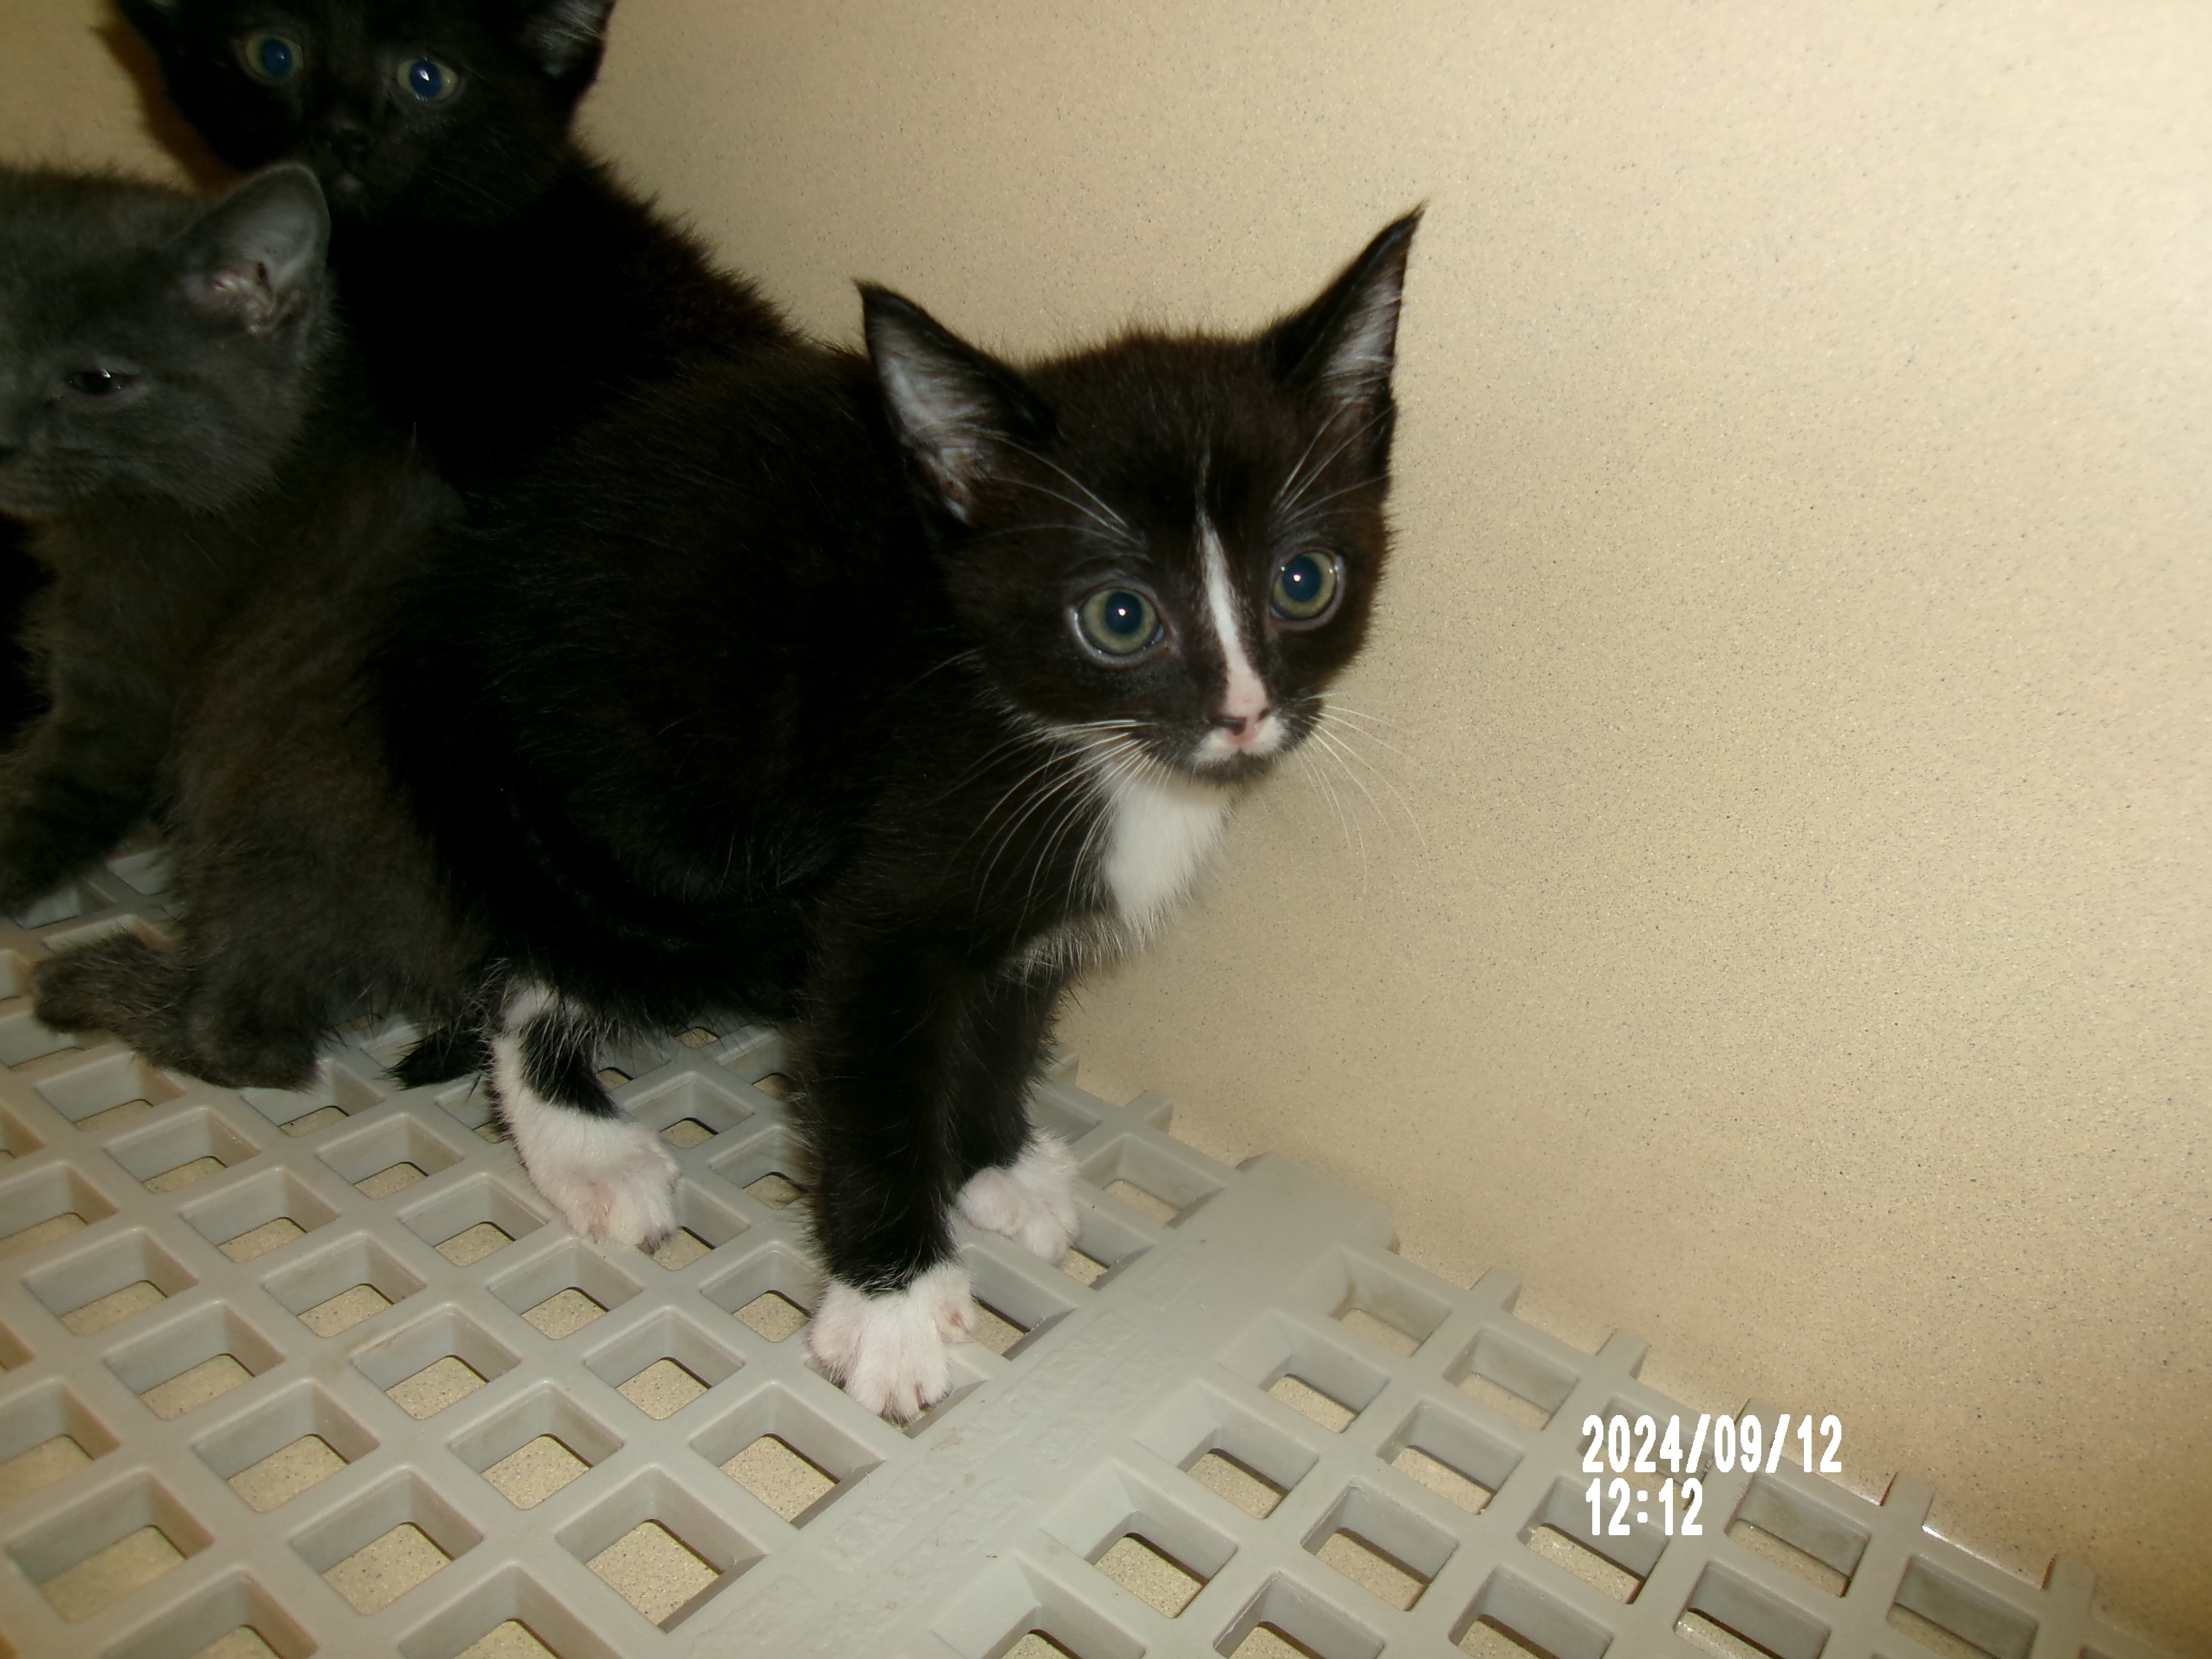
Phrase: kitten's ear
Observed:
(1345, 344)
(956, 409)
(566, 36)
(258, 252)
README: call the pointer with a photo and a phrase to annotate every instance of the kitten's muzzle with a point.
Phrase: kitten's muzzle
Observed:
(1234, 747)
(347, 144)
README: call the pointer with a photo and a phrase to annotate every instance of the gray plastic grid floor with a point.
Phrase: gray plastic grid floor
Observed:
(271, 1362)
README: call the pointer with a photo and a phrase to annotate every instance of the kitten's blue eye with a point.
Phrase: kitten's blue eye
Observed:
(428, 80)
(1305, 588)
(1118, 623)
(270, 58)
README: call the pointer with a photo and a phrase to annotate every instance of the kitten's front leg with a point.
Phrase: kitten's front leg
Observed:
(1031, 1200)
(69, 792)
(887, 1347)
(916, 1078)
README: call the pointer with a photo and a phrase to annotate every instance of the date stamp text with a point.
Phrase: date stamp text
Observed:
(1626, 1447)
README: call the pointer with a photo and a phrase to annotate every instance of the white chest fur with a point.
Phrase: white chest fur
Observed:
(1161, 833)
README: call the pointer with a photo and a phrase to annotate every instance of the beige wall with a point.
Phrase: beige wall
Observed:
(1795, 670)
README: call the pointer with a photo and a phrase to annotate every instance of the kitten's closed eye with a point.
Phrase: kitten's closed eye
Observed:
(100, 382)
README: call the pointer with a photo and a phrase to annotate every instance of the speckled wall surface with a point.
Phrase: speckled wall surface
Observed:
(1791, 944)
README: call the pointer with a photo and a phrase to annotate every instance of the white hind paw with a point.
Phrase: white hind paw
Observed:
(1032, 1201)
(611, 1178)
(888, 1348)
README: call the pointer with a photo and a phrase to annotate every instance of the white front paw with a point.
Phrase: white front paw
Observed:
(888, 1348)
(611, 1178)
(1032, 1201)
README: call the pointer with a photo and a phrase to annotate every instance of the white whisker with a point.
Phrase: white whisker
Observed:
(1328, 793)
(1336, 743)
(1113, 527)
(1119, 521)
(1290, 485)
(1343, 730)
(1290, 498)
(1099, 776)
(1027, 529)
(1363, 714)
(1077, 774)
(1309, 511)
(1331, 746)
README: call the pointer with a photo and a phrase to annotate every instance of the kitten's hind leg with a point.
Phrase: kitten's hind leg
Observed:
(610, 1177)
(1020, 1180)
(167, 1007)
(1031, 1200)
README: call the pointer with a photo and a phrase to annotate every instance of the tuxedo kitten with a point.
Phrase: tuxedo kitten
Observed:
(879, 697)
(179, 428)
(502, 287)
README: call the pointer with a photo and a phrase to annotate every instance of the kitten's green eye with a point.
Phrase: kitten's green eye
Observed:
(1118, 623)
(1305, 588)
(427, 81)
(270, 58)
(98, 382)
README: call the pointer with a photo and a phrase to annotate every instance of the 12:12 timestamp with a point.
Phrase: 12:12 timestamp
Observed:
(1693, 1497)
(1734, 1441)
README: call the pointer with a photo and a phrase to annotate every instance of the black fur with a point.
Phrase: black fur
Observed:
(774, 698)
(21, 576)
(445, 1052)
(504, 288)
(181, 425)
(141, 428)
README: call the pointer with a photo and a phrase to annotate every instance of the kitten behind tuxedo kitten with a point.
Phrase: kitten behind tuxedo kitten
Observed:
(502, 286)
(879, 698)
(158, 360)
(179, 427)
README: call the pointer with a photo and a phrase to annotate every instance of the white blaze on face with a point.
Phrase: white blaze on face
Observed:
(1241, 696)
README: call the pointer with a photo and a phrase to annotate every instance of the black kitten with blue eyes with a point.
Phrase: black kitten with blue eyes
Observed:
(504, 288)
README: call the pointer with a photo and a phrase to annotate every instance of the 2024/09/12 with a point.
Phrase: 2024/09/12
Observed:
(1735, 1440)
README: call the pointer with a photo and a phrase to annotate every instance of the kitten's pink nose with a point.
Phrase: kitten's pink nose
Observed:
(1244, 730)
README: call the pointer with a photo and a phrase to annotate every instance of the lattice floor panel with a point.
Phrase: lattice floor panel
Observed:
(295, 1374)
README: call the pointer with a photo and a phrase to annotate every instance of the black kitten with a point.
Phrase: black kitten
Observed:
(502, 286)
(157, 361)
(880, 703)
(179, 428)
